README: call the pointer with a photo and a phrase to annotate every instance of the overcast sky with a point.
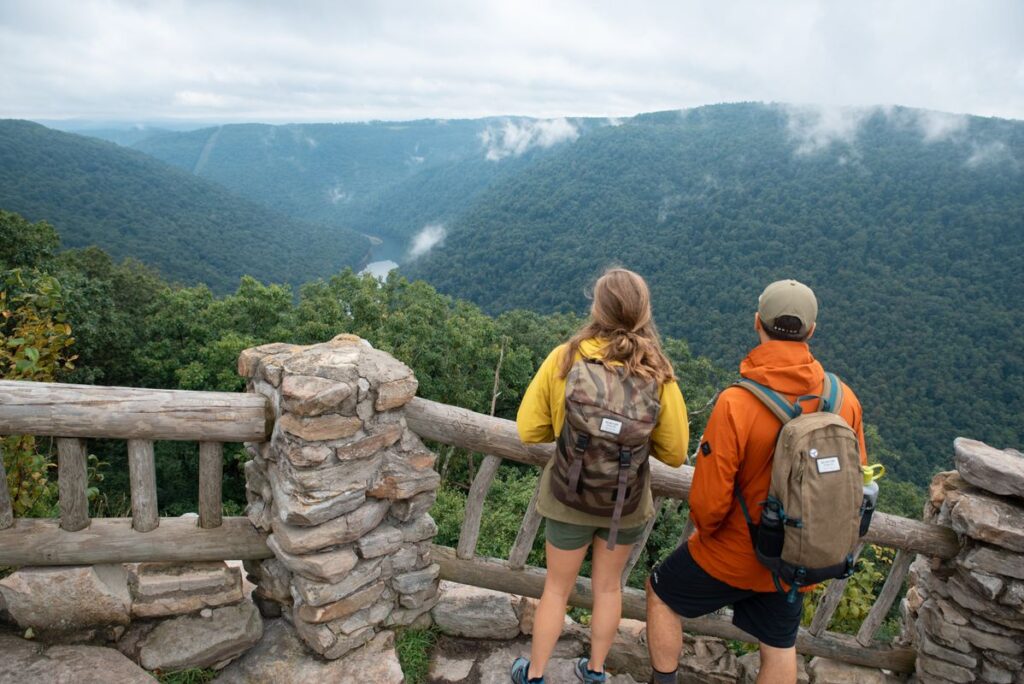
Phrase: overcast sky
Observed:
(249, 60)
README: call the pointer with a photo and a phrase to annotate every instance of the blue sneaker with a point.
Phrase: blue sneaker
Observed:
(520, 672)
(586, 675)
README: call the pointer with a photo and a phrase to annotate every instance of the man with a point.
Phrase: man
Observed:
(717, 566)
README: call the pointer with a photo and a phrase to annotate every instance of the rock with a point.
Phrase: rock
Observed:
(63, 599)
(493, 661)
(929, 647)
(328, 639)
(995, 674)
(406, 474)
(192, 641)
(418, 580)
(628, 654)
(320, 483)
(281, 657)
(419, 529)
(162, 589)
(308, 395)
(402, 560)
(319, 428)
(373, 616)
(272, 579)
(315, 508)
(407, 509)
(341, 530)
(26, 662)
(707, 659)
(304, 455)
(342, 608)
(949, 672)
(447, 670)
(993, 561)
(994, 470)
(363, 448)
(989, 519)
(395, 393)
(827, 671)
(330, 361)
(384, 539)
(314, 593)
(465, 610)
(328, 566)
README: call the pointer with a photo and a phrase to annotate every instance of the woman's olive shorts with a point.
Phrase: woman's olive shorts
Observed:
(569, 537)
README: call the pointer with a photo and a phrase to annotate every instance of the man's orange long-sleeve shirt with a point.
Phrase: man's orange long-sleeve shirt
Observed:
(737, 451)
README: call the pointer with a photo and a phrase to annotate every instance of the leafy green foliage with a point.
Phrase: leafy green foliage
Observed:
(413, 647)
(914, 248)
(193, 676)
(96, 193)
(859, 594)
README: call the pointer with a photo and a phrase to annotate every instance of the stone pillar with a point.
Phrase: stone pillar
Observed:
(965, 616)
(344, 488)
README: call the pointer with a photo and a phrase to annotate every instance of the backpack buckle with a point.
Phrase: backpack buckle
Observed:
(625, 458)
(582, 442)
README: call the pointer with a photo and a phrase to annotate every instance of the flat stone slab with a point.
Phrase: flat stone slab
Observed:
(281, 657)
(989, 519)
(994, 470)
(27, 662)
(196, 641)
(489, 662)
(826, 671)
(468, 611)
(67, 598)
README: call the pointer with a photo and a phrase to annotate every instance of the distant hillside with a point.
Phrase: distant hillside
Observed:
(95, 192)
(381, 178)
(908, 224)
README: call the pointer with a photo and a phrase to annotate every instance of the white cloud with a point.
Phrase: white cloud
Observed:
(936, 126)
(513, 138)
(336, 194)
(429, 237)
(314, 60)
(992, 152)
(816, 128)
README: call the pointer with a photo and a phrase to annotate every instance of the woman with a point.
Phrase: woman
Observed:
(620, 335)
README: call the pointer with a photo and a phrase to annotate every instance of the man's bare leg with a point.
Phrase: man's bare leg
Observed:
(664, 633)
(778, 665)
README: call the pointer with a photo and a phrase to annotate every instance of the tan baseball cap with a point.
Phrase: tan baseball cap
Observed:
(788, 298)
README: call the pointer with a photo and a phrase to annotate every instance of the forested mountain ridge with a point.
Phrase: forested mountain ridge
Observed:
(96, 193)
(908, 224)
(387, 178)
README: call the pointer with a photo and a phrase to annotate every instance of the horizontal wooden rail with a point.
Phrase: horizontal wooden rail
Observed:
(34, 541)
(495, 574)
(485, 434)
(59, 410)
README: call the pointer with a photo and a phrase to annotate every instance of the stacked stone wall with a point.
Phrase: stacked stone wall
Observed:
(343, 488)
(965, 616)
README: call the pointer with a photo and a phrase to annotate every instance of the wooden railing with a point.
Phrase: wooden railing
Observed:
(74, 413)
(499, 440)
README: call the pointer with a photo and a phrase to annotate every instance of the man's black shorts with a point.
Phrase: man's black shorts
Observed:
(688, 590)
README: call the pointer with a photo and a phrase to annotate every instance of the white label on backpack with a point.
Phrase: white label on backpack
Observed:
(610, 426)
(828, 465)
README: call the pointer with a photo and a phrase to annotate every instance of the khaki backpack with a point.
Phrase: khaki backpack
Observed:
(601, 461)
(811, 521)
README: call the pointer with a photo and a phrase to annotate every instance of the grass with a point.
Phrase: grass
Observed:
(414, 647)
(194, 676)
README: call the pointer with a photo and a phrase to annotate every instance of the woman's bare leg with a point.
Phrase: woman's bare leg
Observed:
(605, 580)
(563, 568)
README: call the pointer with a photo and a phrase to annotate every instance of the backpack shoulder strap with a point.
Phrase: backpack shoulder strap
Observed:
(831, 394)
(778, 405)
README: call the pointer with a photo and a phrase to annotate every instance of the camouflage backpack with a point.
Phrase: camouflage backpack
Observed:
(810, 523)
(601, 462)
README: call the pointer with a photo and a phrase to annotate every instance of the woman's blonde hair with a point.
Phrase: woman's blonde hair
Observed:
(621, 317)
